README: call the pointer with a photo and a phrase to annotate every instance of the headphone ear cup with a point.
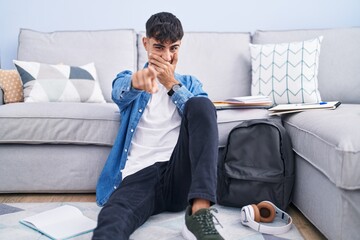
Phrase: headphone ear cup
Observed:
(266, 211)
(256, 213)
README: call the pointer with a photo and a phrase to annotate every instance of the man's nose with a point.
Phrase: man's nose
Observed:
(166, 55)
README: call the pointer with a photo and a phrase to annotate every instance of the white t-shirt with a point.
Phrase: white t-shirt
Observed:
(156, 134)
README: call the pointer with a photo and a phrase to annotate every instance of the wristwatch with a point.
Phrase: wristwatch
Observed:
(174, 88)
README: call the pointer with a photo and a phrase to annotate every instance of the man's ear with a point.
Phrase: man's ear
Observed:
(145, 41)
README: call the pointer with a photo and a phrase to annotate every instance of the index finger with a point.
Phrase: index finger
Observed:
(152, 72)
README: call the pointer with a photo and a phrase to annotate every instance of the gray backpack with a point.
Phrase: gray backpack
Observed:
(256, 164)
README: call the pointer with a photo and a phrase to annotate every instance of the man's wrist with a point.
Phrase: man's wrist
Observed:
(169, 83)
(174, 88)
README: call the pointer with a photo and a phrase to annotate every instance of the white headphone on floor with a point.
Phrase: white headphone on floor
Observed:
(266, 212)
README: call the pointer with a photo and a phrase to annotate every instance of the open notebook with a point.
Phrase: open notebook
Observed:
(60, 223)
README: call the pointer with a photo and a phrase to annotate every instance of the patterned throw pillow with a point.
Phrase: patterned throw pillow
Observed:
(59, 83)
(286, 72)
(11, 85)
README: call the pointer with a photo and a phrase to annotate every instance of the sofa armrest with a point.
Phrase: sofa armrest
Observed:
(1, 97)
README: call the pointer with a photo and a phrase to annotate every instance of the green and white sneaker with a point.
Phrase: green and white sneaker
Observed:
(200, 226)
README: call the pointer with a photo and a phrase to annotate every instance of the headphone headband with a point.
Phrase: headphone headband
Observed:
(247, 218)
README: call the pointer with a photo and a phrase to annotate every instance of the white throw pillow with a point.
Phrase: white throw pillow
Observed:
(59, 83)
(286, 72)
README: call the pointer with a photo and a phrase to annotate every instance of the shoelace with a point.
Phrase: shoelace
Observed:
(206, 222)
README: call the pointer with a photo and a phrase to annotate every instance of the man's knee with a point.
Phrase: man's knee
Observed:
(199, 105)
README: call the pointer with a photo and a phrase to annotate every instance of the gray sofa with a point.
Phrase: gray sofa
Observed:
(62, 147)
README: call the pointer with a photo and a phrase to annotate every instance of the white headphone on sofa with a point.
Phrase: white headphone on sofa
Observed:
(266, 212)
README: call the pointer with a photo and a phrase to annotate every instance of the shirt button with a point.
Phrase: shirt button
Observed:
(132, 130)
(125, 150)
(114, 187)
(175, 102)
(140, 110)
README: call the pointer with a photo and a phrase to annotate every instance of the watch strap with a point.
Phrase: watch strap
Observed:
(171, 91)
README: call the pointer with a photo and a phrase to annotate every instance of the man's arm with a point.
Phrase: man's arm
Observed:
(123, 93)
(192, 87)
(128, 86)
(145, 80)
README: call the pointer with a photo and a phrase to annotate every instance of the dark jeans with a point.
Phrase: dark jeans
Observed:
(167, 186)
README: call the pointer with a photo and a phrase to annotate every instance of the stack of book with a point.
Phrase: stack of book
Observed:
(244, 102)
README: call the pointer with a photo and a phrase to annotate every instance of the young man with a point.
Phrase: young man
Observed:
(165, 154)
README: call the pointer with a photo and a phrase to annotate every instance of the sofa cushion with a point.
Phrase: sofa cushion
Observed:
(59, 123)
(50, 168)
(11, 85)
(339, 69)
(286, 72)
(111, 51)
(59, 83)
(85, 123)
(330, 141)
(221, 61)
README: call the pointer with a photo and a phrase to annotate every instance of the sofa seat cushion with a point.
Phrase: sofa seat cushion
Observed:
(229, 118)
(59, 123)
(85, 123)
(330, 141)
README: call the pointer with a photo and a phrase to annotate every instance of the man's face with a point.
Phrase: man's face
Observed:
(166, 50)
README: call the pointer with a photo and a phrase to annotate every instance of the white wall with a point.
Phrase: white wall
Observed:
(196, 15)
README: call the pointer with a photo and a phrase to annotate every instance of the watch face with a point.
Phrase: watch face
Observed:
(176, 87)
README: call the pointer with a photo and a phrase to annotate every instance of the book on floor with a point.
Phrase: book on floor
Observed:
(60, 223)
(299, 107)
(244, 102)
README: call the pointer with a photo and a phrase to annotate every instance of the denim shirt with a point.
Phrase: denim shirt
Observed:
(132, 103)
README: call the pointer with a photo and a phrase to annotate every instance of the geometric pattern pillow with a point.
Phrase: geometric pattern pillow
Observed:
(11, 85)
(59, 83)
(286, 72)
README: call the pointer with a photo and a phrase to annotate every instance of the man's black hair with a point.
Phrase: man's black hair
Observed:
(164, 27)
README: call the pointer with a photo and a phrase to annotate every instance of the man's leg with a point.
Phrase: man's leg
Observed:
(130, 205)
(191, 174)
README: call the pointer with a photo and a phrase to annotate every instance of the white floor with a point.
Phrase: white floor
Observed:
(165, 226)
